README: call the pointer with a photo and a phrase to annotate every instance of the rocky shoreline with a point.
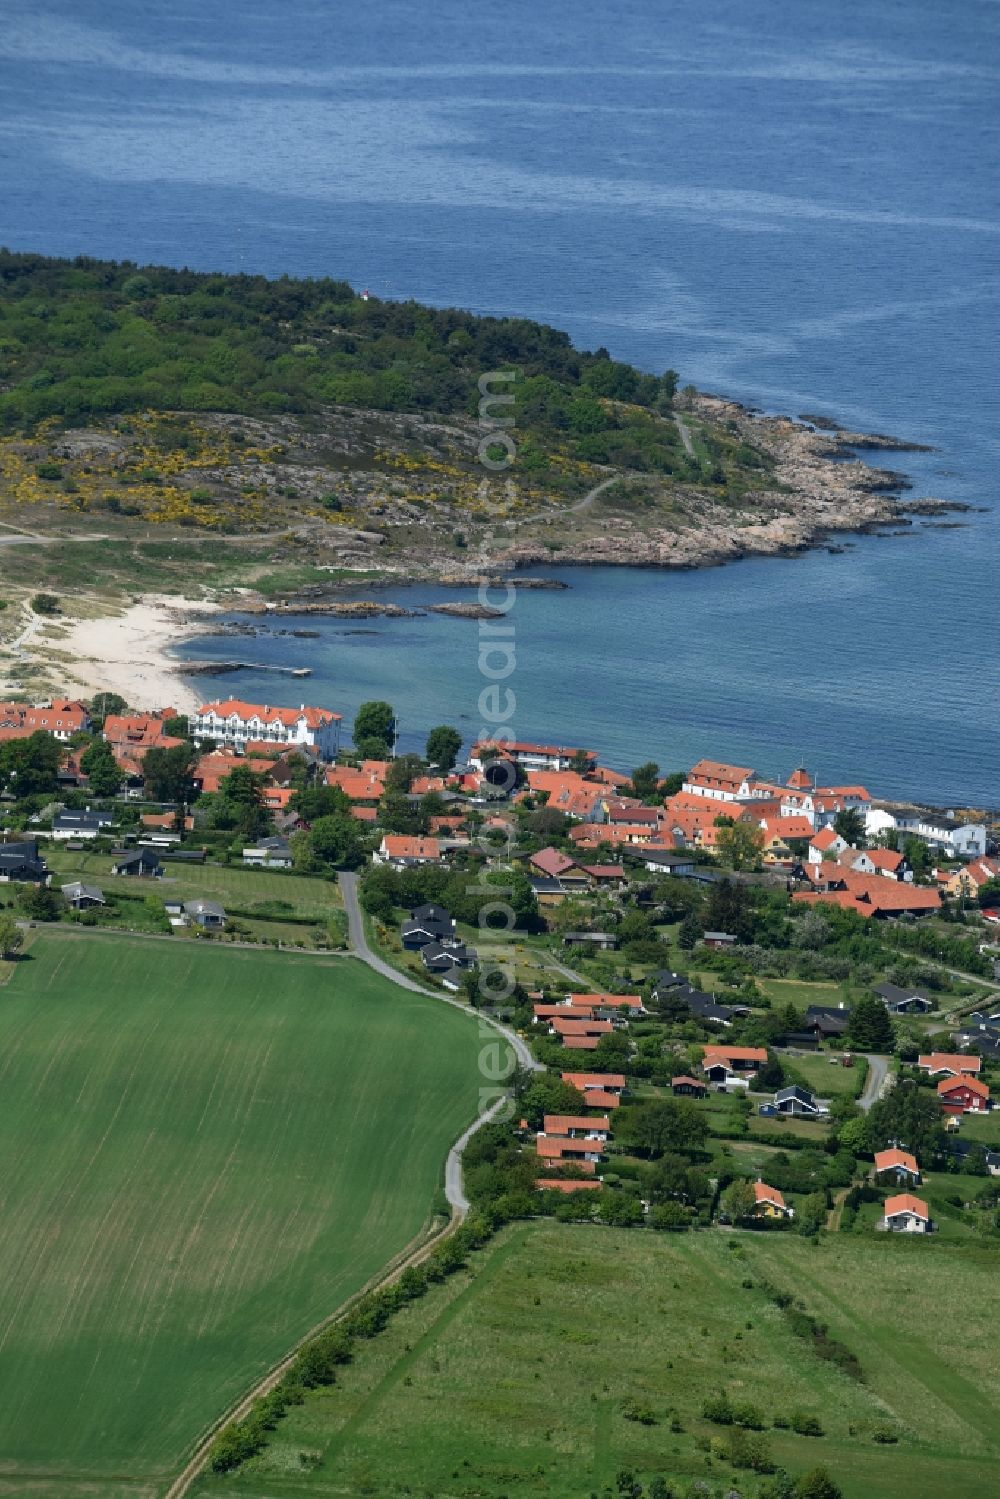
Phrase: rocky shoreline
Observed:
(815, 492)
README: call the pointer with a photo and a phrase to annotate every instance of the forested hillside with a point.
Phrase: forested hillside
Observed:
(87, 338)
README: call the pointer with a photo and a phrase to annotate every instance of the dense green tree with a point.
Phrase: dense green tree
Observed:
(335, 841)
(239, 803)
(673, 1176)
(311, 802)
(40, 904)
(739, 844)
(870, 1025)
(443, 745)
(772, 1074)
(690, 932)
(729, 908)
(817, 1484)
(909, 1116)
(374, 722)
(104, 704)
(101, 768)
(397, 814)
(545, 1093)
(646, 779)
(402, 773)
(850, 824)
(29, 767)
(738, 1201)
(660, 1124)
(167, 773)
(11, 936)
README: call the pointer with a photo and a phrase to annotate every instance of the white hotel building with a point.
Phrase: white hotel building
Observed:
(234, 725)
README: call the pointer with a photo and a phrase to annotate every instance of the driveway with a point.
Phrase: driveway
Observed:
(878, 1073)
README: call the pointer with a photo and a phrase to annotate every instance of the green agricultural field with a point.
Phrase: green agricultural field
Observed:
(516, 1379)
(205, 1151)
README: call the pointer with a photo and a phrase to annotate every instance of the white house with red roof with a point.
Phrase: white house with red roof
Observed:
(531, 756)
(826, 844)
(235, 724)
(906, 1214)
(717, 781)
(61, 718)
(404, 851)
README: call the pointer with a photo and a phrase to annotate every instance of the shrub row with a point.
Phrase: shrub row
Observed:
(815, 1333)
(317, 1360)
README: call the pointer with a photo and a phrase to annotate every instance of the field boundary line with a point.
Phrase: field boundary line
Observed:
(413, 1254)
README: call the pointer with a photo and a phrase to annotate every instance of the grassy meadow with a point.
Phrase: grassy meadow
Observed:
(516, 1378)
(258, 895)
(205, 1152)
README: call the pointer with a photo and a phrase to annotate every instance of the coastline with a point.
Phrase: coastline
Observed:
(818, 492)
(128, 653)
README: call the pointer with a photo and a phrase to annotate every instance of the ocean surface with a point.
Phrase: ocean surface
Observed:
(795, 204)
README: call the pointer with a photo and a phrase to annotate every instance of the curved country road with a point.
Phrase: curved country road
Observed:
(878, 1071)
(361, 949)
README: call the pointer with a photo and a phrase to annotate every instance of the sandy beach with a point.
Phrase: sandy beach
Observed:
(127, 653)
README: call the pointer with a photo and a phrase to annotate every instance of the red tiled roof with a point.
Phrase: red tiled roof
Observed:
(896, 1160)
(403, 846)
(905, 1202)
(561, 1124)
(575, 1026)
(763, 1193)
(604, 1001)
(735, 1054)
(675, 1082)
(583, 1080)
(565, 1184)
(551, 862)
(717, 772)
(949, 1061)
(975, 1087)
(315, 718)
(787, 827)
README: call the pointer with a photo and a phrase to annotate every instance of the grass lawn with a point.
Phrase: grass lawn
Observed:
(231, 884)
(800, 992)
(809, 1129)
(984, 1129)
(511, 1380)
(205, 1152)
(824, 1076)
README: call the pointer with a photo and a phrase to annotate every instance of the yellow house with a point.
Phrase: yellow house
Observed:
(770, 1203)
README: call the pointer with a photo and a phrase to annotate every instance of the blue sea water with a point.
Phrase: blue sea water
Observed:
(794, 203)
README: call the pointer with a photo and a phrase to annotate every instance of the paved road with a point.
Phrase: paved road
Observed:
(878, 1072)
(360, 947)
